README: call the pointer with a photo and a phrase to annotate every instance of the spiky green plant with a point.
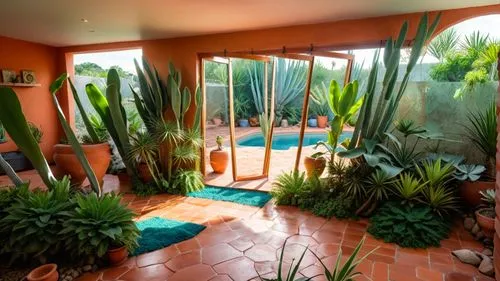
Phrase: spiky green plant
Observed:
(145, 149)
(488, 196)
(256, 74)
(476, 41)
(36, 132)
(435, 173)
(408, 188)
(379, 109)
(443, 44)
(93, 136)
(347, 271)
(441, 199)
(287, 187)
(319, 97)
(292, 271)
(186, 181)
(96, 224)
(290, 83)
(482, 132)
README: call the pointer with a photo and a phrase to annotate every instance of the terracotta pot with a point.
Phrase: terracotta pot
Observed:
(322, 121)
(117, 256)
(314, 165)
(217, 121)
(219, 160)
(469, 190)
(46, 272)
(98, 155)
(254, 121)
(486, 223)
(144, 172)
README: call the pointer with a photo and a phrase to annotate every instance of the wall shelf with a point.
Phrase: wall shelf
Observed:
(20, 85)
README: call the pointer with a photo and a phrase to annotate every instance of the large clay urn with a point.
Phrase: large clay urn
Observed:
(98, 155)
(218, 160)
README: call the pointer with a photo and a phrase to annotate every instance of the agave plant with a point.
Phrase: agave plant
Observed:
(319, 97)
(96, 224)
(443, 44)
(441, 199)
(408, 188)
(144, 149)
(488, 196)
(482, 131)
(292, 271)
(379, 109)
(378, 188)
(435, 173)
(466, 172)
(256, 74)
(290, 83)
(287, 187)
(186, 181)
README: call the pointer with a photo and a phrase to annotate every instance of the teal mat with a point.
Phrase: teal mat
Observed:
(158, 233)
(244, 197)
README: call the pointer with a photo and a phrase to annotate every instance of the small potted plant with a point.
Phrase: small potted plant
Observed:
(312, 122)
(468, 174)
(486, 216)
(217, 117)
(319, 105)
(315, 164)
(144, 152)
(46, 272)
(254, 121)
(219, 157)
(482, 132)
(241, 108)
(94, 144)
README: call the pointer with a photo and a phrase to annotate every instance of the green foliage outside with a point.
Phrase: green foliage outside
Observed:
(94, 70)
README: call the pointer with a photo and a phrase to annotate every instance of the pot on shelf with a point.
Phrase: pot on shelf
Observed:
(469, 191)
(322, 121)
(218, 160)
(314, 165)
(485, 217)
(98, 155)
(117, 256)
(46, 272)
(243, 123)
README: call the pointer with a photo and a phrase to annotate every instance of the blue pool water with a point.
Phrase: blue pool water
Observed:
(285, 141)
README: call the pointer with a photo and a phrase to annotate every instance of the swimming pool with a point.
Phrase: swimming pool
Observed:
(285, 141)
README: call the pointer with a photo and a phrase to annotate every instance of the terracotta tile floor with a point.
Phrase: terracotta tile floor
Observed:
(241, 242)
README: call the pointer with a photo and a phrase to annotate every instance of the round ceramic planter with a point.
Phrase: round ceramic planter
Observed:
(117, 256)
(322, 121)
(243, 123)
(98, 155)
(314, 166)
(46, 272)
(219, 160)
(486, 223)
(469, 191)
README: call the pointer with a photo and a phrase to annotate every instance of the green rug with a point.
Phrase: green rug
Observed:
(244, 197)
(157, 233)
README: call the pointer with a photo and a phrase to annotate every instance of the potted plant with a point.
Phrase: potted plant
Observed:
(482, 132)
(468, 174)
(319, 105)
(217, 117)
(254, 121)
(241, 108)
(46, 272)
(486, 216)
(312, 122)
(94, 144)
(218, 157)
(16, 159)
(315, 164)
(144, 152)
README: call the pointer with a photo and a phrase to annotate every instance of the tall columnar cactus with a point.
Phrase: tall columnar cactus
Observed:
(379, 109)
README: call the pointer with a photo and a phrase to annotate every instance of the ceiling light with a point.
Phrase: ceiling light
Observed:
(84, 20)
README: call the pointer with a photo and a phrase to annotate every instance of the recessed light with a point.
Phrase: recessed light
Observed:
(84, 20)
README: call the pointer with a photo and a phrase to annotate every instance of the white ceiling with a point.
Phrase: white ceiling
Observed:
(58, 22)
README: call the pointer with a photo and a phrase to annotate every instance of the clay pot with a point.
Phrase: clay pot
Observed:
(117, 256)
(217, 121)
(322, 121)
(144, 173)
(219, 160)
(98, 155)
(314, 166)
(469, 190)
(254, 121)
(487, 223)
(46, 272)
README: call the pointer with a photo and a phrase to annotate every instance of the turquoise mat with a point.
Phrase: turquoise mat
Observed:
(244, 197)
(158, 233)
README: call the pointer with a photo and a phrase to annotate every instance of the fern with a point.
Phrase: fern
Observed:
(407, 226)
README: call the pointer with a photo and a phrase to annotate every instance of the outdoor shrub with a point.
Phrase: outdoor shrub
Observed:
(287, 187)
(98, 223)
(187, 181)
(312, 191)
(34, 221)
(454, 67)
(409, 226)
(340, 207)
(408, 188)
(441, 199)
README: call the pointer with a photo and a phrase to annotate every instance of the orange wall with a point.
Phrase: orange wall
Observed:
(36, 102)
(334, 35)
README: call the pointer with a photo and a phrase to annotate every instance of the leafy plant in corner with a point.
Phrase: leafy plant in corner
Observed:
(144, 150)
(97, 224)
(187, 181)
(409, 226)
